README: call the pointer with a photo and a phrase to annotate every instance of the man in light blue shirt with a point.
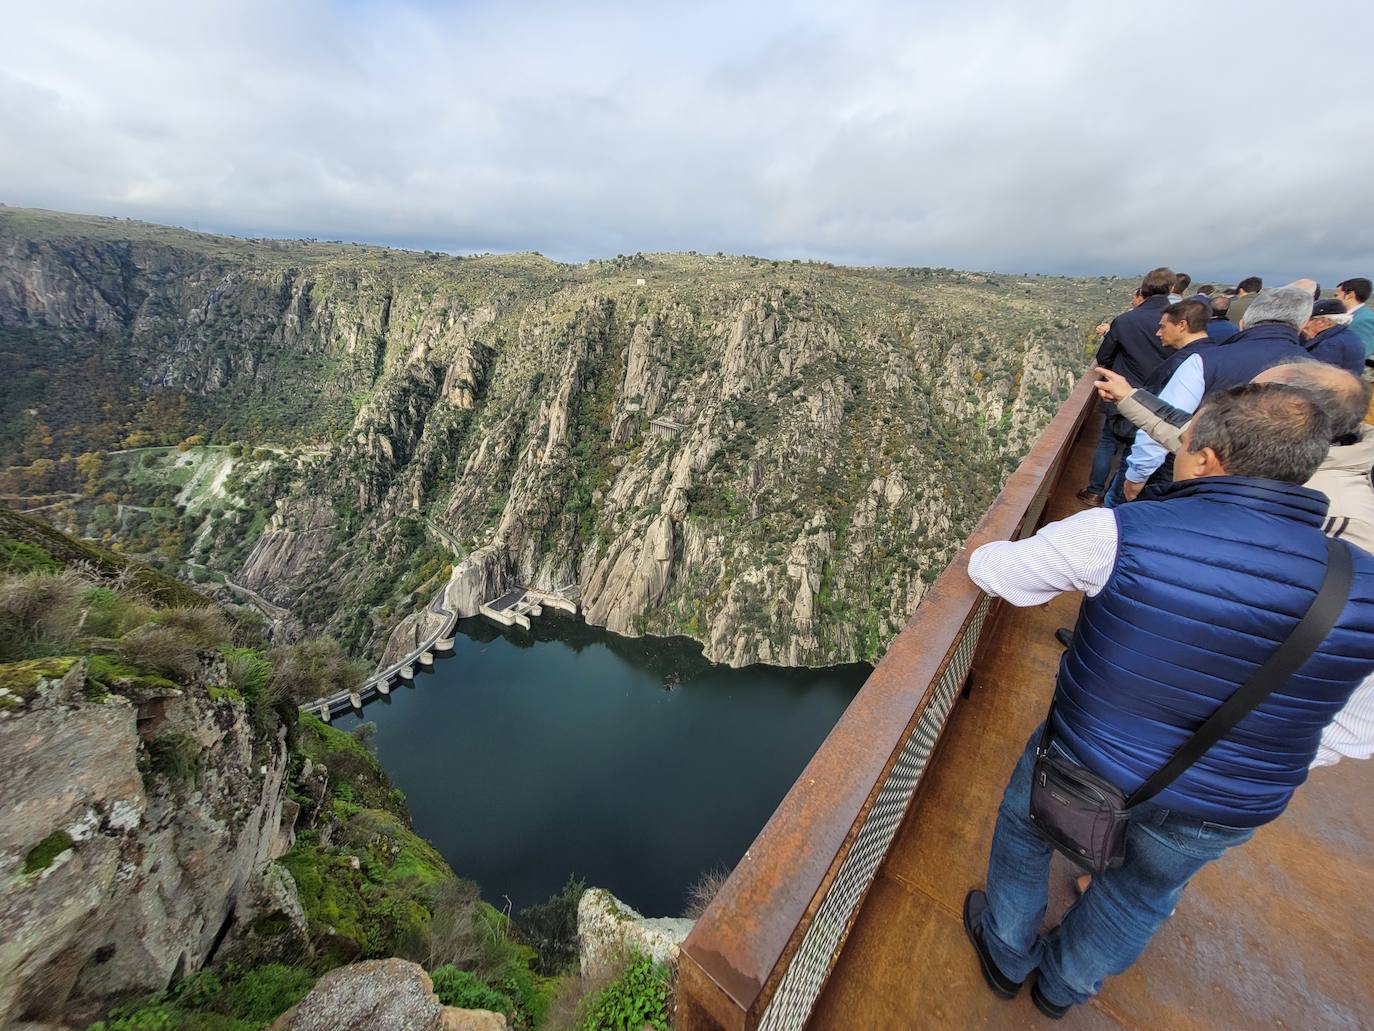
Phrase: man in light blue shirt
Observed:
(1269, 335)
(1354, 294)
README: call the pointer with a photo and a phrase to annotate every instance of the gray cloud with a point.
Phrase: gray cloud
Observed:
(1068, 137)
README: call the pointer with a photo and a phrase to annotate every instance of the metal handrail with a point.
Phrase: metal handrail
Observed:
(760, 953)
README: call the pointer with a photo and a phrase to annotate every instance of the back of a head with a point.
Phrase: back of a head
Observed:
(1194, 313)
(1291, 305)
(1251, 284)
(1267, 430)
(1359, 286)
(1158, 282)
(1205, 290)
(1181, 282)
(1221, 304)
(1342, 396)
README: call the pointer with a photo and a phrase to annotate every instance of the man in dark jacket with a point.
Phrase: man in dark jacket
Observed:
(1131, 348)
(1329, 338)
(1186, 597)
(1219, 327)
(1268, 335)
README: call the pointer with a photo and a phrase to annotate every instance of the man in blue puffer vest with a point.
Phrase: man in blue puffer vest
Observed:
(1186, 597)
(1329, 338)
(1268, 336)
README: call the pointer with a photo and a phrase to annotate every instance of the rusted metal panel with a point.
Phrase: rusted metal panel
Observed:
(742, 944)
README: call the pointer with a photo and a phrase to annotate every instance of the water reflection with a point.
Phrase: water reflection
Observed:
(633, 763)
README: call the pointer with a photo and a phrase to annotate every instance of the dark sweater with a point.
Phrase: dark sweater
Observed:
(1130, 346)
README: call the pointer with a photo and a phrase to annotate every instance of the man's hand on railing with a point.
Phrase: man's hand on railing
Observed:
(1111, 386)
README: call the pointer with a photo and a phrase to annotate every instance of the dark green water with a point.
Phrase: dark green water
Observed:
(529, 756)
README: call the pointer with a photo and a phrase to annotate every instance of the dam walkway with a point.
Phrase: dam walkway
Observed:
(381, 682)
(845, 912)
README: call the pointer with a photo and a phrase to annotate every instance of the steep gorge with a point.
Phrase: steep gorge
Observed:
(773, 458)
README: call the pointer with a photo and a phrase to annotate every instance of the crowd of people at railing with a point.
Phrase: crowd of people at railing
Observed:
(1224, 646)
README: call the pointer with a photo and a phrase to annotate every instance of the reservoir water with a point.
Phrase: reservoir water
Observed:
(633, 764)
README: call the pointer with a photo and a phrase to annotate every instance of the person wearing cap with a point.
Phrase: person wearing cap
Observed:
(1328, 337)
(1354, 294)
(1268, 336)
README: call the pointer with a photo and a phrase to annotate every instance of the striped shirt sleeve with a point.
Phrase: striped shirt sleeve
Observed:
(1073, 554)
(1351, 734)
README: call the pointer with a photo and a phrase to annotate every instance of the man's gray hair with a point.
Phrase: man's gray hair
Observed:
(1268, 430)
(1343, 396)
(1291, 305)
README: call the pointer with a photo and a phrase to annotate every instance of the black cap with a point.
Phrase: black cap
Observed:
(1327, 306)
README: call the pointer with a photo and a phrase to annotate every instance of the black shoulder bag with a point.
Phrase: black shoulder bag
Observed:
(1085, 816)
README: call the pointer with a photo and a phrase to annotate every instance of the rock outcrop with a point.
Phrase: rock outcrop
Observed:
(381, 995)
(607, 927)
(134, 826)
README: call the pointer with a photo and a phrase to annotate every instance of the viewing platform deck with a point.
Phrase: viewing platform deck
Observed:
(845, 912)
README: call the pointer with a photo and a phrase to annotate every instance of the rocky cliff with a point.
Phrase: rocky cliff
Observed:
(138, 824)
(773, 458)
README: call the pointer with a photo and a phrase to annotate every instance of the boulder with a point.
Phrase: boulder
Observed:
(378, 995)
(381, 995)
(606, 927)
(451, 1018)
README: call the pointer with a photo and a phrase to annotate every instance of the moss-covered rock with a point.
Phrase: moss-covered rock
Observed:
(21, 681)
(41, 856)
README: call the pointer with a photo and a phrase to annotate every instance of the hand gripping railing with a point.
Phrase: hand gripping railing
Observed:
(759, 956)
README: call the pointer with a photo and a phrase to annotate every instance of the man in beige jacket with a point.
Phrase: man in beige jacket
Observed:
(1345, 475)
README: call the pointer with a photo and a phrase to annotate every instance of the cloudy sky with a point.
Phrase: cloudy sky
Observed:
(1224, 139)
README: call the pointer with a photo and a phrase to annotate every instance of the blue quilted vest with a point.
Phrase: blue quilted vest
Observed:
(1248, 353)
(1208, 582)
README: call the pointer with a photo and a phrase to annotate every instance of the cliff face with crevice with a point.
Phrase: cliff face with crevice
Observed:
(141, 868)
(775, 459)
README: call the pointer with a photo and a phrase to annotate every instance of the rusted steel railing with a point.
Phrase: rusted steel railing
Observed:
(760, 954)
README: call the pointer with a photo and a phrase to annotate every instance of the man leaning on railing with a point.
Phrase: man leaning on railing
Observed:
(1202, 670)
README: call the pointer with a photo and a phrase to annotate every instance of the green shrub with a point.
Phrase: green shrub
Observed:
(248, 673)
(199, 991)
(110, 614)
(40, 613)
(313, 669)
(165, 650)
(203, 625)
(22, 557)
(467, 991)
(550, 928)
(173, 757)
(264, 993)
(233, 999)
(639, 996)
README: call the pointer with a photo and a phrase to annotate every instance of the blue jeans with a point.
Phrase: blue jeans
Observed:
(1107, 929)
(1115, 494)
(1108, 447)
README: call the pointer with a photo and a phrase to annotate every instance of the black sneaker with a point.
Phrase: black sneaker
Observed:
(1064, 636)
(1052, 1010)
(975, 905)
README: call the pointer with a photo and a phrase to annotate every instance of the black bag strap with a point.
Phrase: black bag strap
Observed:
(1310, 632)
